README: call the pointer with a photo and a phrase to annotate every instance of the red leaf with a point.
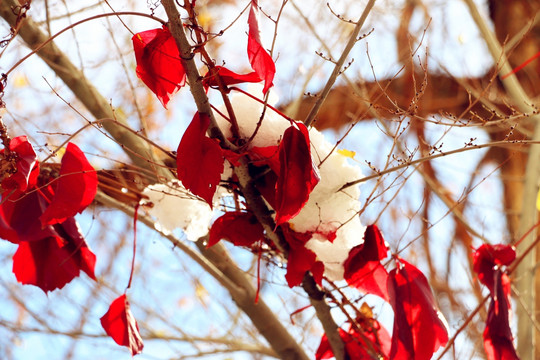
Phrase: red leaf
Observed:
(19, 216)
(363, 268)
(120, 324)
(355, 343)
(158, 62)
(199, 159)
(487, 259)
(300, 259)
(76, 187)
(27, 166)
(52, 262)
(497, 335)
(229, 77)
(297, 175)
(419, 328)
(259, 59)
(240, 228)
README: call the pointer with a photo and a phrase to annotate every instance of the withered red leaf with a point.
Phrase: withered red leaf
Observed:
(297, 175)
(199, 159)
(259, 59)
(240, 228)
(229, 77)
(120, 324)
(27, 166)
(158, 62)
(363, 268)
(497, 334)
(487, 259)
(76, 187)
(52, 262)
(419, 327)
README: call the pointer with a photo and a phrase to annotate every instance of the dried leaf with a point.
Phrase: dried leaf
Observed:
(259, 59)
(76, 187)
(120, 324)
(199, 159)
(158, 62)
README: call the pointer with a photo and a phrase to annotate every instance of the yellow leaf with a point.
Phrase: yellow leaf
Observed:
(20, 80)
(347, 153)
(538, 201)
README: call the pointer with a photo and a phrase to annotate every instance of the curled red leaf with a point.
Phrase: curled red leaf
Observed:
(76, 187)
(497, 334)
(258, 57)
(120, 324)
(158, 62)
(297, 175)
(52, 262)
(240, 228)
(419, 327)
(487, 259)
(229, 77)
(363, 268)
(27, 166)
(199, 160)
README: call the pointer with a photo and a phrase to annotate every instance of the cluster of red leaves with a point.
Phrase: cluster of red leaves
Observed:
(489, 261)
(38, 217)
(159, 64)
(419, 328)
(286, 187)
(38, 213)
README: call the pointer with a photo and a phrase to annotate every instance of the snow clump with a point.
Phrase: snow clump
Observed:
(328, 210)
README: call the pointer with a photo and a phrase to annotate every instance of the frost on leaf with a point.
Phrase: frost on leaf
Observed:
(120, 324)
(297, 175)
(240, 228)
(419, 327)
(158, 62)
(199, 159)
(259, 59)
(173, 207)
(27, 166)
(76, 187)
(52, 262)
(363, 268)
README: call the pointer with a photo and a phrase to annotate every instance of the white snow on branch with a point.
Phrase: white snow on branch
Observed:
(328, 210)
